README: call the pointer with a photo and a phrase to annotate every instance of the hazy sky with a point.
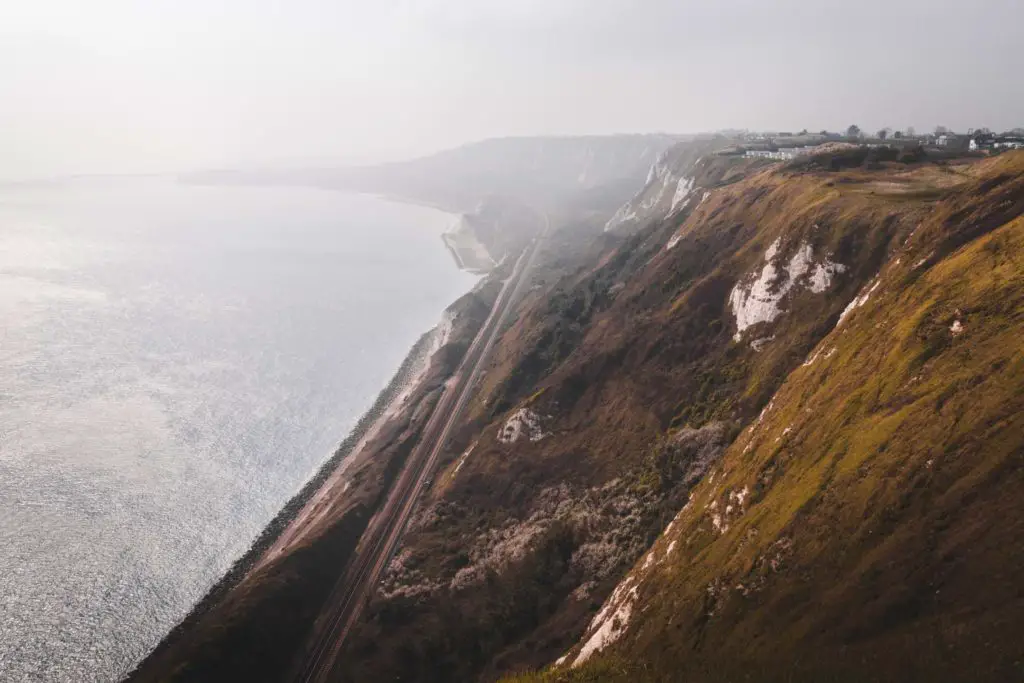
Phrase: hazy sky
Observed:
(136, 85)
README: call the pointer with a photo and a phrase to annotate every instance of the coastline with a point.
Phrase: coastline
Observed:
(300, 516)
(424, 203)
(320, 526)
(392, 400)
(388, 403)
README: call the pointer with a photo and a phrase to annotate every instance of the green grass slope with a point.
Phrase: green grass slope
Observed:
(866, 527)
(638, 381)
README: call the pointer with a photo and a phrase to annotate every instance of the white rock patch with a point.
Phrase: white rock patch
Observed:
(765, 411)
(857, 302)
(741, 496)
(814, 357)
(462, 460)
(625, 214)
(956, 328)
(611, 622)
(523, 422)
(683, 190)
(663, 176)
(821, 276)
(657, 186)
(758, 301)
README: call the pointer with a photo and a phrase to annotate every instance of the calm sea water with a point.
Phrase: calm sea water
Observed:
(175, 362)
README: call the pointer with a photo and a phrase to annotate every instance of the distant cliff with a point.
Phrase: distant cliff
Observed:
(539, 170)
(672, 183)
(484, 180)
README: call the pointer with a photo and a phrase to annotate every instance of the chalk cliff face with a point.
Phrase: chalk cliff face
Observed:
(673, 182)
(770, 427)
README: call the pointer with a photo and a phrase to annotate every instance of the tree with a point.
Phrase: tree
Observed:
(883, 134)
(803, 132)
(941, 130)
(853, 132)
(897, 134)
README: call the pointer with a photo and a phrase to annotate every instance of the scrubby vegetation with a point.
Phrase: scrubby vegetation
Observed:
(877, 538)
(627, 359)
(825, 492)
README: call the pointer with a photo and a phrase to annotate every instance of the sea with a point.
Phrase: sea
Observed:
(176, 361)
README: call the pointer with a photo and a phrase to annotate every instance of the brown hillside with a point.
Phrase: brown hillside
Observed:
(634, 380)
(864, 528)
(774, 436)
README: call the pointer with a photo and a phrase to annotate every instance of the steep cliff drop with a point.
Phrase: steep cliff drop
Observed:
(766, 426)
(765, 403)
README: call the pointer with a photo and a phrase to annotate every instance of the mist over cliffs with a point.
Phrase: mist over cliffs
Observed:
(538, 169)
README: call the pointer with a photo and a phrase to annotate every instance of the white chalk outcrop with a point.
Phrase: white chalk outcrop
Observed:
(611, 622)
(670, 186)
(522, 423)
(661, 184)
(858, 301)
(757, 297)
(684, 188)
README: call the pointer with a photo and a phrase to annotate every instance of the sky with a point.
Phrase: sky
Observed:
(109, 86)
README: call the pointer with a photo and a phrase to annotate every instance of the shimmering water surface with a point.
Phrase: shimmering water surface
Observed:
(175, 362)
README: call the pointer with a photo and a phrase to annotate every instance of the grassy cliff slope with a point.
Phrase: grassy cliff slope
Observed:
(865, 526)
(621, 385)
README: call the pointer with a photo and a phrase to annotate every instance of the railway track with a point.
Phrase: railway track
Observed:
(385, 530)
